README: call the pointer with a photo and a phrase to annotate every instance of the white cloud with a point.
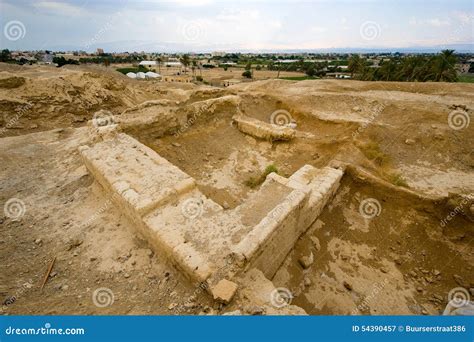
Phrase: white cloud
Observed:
(463, 17)
(59, 8)
(192, 2)
(435, 22)
(318, 29)
(438, 22)
(238, 15)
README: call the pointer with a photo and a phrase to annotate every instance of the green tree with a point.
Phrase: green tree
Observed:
(443, 69)
(355, 65)
(310, 71)
(159, 61)
(247, 74)
(5, 55)
(185, 61)
(193, 67)
(388, 71)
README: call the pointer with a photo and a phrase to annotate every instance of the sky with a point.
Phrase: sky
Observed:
(212, 25)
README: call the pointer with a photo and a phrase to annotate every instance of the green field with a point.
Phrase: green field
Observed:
(466, 78)
(298, 78)
(132, 69)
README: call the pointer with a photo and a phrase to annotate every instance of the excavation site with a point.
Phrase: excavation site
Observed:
(271, 197)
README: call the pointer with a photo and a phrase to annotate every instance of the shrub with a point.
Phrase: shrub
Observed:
(253, 182)
(372, 151)
(247, 74)
(398, 180)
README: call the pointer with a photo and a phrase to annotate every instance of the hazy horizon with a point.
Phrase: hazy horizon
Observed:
(246, 26)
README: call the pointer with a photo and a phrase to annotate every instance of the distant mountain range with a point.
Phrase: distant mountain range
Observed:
(170, 47)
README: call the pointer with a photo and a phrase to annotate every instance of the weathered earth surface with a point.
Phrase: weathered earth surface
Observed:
(409, 147)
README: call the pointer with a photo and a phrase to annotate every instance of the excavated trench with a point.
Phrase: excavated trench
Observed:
(374, 249)
(222, 159)
(378, 251)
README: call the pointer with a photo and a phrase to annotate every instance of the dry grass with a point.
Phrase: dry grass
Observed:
(398, 180)
(373, 152)
(253, 182)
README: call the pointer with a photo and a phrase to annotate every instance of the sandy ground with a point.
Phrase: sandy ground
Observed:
(402, 261)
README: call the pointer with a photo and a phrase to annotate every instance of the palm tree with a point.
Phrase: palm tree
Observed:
(194, 65)
(408, 67)
(159, 60)
(443, 67)
(355, 65)
(388, 71)
(185, 61)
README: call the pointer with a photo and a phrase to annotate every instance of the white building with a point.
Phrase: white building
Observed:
(172, 64)
(147, 63)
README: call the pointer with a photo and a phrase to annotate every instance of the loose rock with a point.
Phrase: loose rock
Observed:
(224, 291)
(306, 261)
(347, 285)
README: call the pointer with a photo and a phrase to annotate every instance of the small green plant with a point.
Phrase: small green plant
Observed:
(269, 169)
(253, 182)
(398, 180)
(373, 152)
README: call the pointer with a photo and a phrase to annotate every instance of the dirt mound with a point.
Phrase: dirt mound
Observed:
(11, 82)
(68, 96)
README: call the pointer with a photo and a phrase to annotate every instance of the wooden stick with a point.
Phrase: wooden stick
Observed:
(46, 276)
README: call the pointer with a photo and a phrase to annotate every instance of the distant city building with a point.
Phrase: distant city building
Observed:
(100, 51)
(147, 63)
(463, 68)
(287, 60)
(218, 54)
(47, 58)
(68, 56)
(172, 64)
(151, 74)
